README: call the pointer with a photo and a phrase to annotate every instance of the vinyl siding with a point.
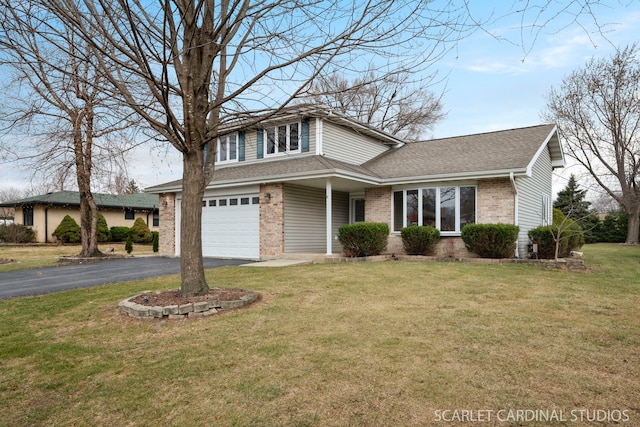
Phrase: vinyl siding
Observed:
(305, 221)
(251, 152)
(530, 196)
(348, 146)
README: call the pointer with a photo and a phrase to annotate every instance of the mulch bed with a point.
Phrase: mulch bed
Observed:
(173, 297)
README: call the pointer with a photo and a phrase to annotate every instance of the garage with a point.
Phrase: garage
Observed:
(231, 226)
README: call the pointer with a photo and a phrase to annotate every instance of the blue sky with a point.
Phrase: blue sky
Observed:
(491, 84)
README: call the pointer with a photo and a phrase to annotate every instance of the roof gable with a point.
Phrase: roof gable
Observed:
(487, 153)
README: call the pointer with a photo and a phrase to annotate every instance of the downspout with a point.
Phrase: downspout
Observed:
(515, 207)
(46, 225)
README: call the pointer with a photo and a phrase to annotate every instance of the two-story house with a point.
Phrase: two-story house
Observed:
(285, 186)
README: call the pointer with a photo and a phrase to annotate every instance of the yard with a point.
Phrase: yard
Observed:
(366, 344)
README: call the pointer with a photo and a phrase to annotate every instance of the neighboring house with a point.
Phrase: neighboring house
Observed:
(286, 186)
(44, 213)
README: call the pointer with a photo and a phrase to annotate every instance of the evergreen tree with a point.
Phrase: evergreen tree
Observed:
(571, 201)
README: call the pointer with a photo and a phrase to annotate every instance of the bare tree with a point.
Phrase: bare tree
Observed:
(597, 109)
(60, 105)
(390, 102)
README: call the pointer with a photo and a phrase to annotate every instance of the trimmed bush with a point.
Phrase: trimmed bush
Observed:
(16, 233)
(120, 234)
(140, 232)
(129, 245)
(491, 240)
(571, 239)
(68, 231)
(420, 240)
(363, 238)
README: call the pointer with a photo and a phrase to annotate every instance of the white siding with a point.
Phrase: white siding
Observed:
(305, 220)
(531, 193)
(349, 146)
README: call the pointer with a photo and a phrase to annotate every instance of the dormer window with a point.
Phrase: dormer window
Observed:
(282, 139)
(227, 148)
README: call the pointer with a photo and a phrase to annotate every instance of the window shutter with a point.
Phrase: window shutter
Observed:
(260, 143)
(305, 136)
(241, 146)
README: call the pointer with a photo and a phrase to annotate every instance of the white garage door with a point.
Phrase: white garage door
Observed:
(231, 227)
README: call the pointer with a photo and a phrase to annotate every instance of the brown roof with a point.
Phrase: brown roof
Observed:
(509, 150)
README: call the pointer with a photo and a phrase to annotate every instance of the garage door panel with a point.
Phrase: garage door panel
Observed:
(231, 229)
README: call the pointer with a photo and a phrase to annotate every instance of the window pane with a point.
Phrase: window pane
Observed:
(397, 211)
(282, 139)
(233, 202)
(271, 140)
(429, 207)
(223, 202)
(412, 207)
(223, 148)
(233, 147)
(294, 139)
(448, 209)
(467, 206)
(255, 200)
(358, 210)
(156, 219)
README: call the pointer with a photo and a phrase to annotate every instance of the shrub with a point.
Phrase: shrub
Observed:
(140, 232)
(68, 231)
(156, 240)
(16, 233)
(491, 240)
(419, 240)
(104, 234)
(129, 245)
(120, 234)
(571, 238)
(363, 238)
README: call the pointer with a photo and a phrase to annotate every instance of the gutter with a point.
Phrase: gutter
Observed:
(515, 206)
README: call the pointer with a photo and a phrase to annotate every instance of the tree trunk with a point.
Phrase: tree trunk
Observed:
(193, 281)
(633, 226)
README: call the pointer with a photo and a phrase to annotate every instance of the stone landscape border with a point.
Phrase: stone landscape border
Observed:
(189, 310)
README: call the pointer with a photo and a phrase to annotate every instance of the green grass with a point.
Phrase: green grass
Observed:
(365, 344)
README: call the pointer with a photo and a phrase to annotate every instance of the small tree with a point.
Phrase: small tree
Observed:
(129, 245)
(156, 241)
(68, 231)
(104, 234)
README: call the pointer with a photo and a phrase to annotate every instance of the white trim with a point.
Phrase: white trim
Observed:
(516, 209)
(319, 132)
(328, 213)
(288, 150)
(554, 163)
(228, 151)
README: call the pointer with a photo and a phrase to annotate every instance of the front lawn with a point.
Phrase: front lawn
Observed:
(40, 255)
(365, 344)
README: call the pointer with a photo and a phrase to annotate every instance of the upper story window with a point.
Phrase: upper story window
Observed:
(282, 139)
(446, 208)
(227, 148)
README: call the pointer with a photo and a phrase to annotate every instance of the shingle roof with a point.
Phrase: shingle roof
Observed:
(495, 151)
(278, 169)
(133, 201)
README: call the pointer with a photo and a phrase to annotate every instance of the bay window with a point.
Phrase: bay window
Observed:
(447, 208)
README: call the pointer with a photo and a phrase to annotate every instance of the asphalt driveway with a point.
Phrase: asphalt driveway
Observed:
(40, 281)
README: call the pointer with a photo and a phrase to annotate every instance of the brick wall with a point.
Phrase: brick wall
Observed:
(496, 201)
(377, 205)
(167, 229)
(271, 221)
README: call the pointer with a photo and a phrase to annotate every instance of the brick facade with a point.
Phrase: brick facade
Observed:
(377, 207)
(167, 236)
(271, 221)
(496, 201)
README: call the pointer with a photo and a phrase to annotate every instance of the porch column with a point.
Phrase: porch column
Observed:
(328, 209)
